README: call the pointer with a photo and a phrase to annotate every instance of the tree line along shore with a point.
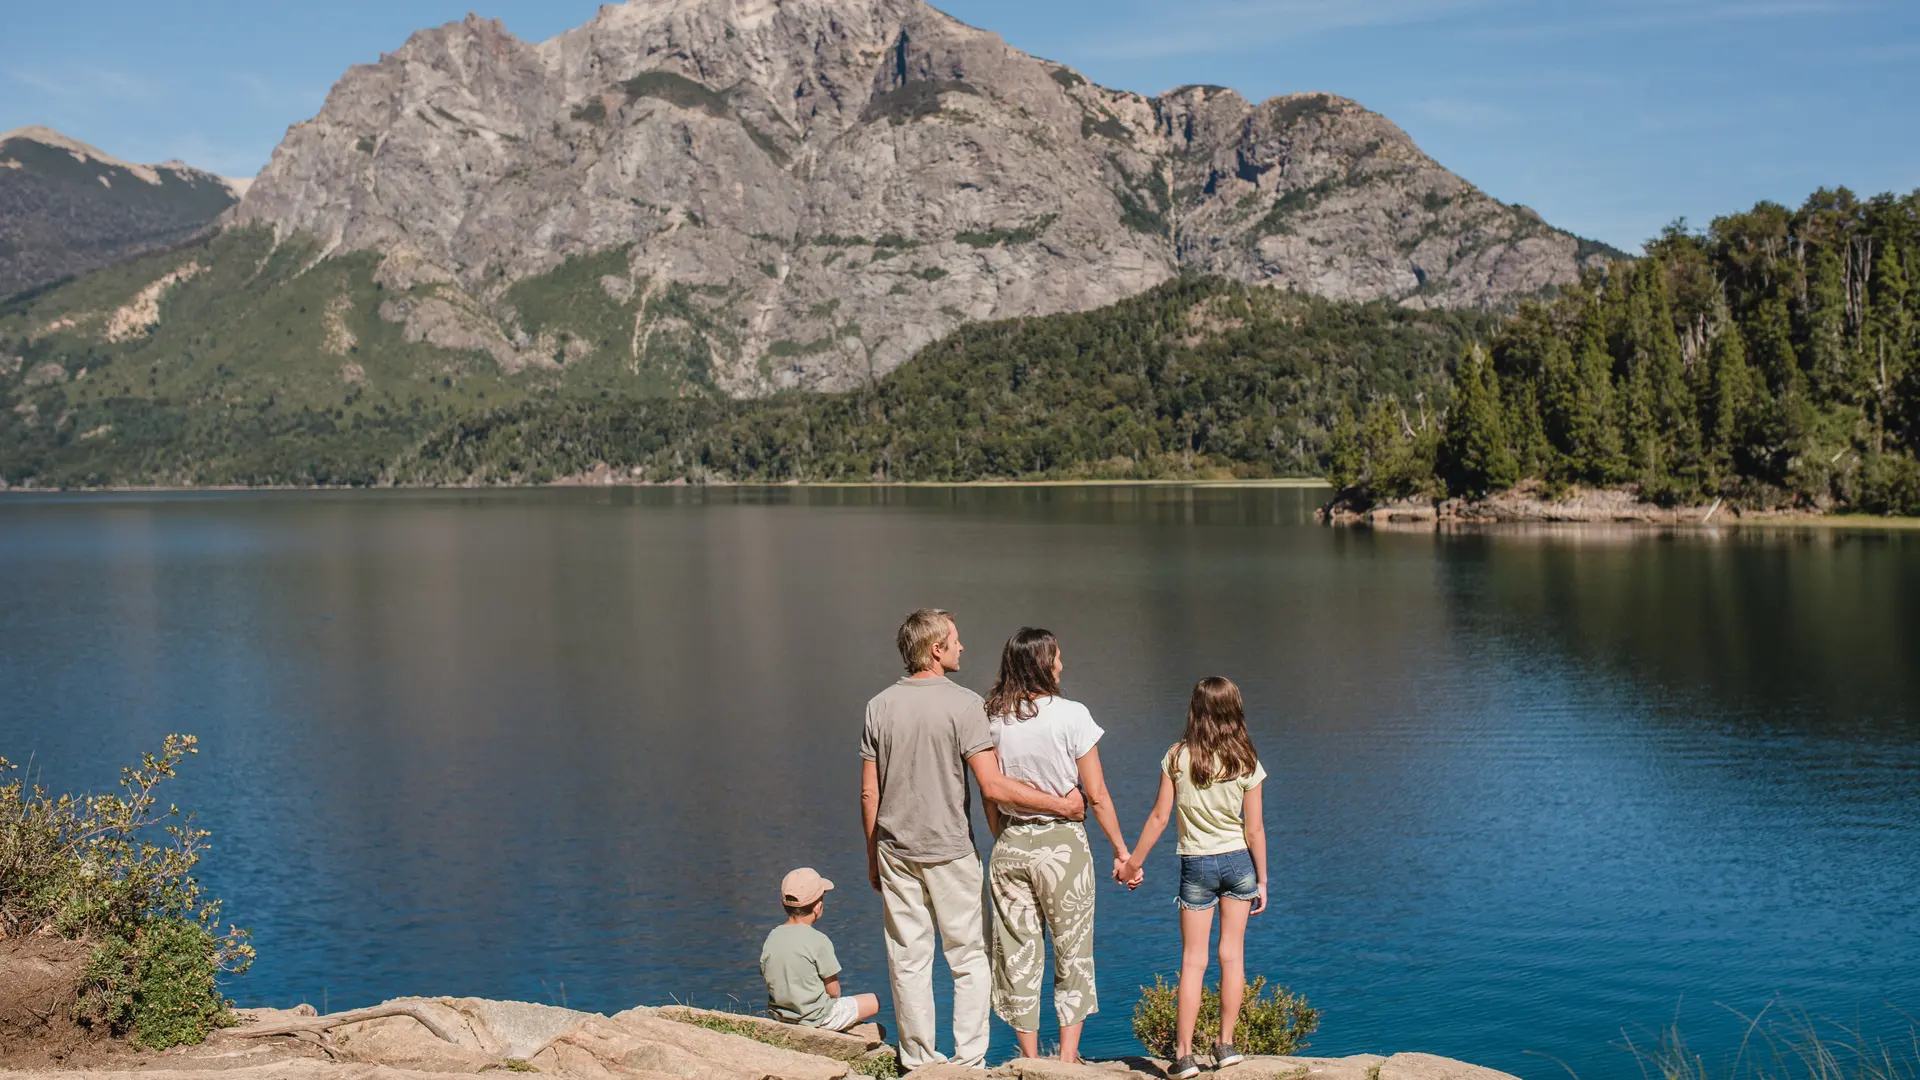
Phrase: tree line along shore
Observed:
(1767, 362)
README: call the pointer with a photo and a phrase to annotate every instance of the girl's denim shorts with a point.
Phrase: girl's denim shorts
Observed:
(1204, 879)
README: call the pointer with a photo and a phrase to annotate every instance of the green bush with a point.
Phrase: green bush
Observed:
(1890, 486)
(1270, 1023)
(116, 871)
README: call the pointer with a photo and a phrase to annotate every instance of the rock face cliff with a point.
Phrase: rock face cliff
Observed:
(66, 208)
(802, 193)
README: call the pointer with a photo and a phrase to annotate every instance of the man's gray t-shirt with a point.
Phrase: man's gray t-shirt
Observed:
(920, 733)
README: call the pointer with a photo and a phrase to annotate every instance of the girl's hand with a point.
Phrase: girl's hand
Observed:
(1260, 901)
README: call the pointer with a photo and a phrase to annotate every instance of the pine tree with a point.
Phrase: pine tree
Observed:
(1732, 391)
(1562, 416)
(1526, 433)
(1346, 453)
(1662, 428)
(1475, 458)
(1595, 427)
(1772, 352)
(1889, 334)
(1827, 358)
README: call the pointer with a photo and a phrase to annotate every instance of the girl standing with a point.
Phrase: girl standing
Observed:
(1212, 778)
(1041, 874)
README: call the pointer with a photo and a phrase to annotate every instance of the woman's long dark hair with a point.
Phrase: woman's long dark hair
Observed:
(1216, 740)
(1026, 673)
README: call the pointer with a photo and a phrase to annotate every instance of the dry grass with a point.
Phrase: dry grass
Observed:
(1785, 1042)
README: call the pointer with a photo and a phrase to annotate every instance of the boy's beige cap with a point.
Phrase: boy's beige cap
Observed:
(803, 887)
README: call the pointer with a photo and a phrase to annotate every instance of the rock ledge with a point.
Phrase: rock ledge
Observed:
(477, 1036)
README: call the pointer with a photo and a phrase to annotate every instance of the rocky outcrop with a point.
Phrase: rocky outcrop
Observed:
(465, 1037)
(67, 208)
(833, 184)
(1529, 503)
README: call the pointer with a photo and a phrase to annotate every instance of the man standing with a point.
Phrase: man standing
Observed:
(922, 735)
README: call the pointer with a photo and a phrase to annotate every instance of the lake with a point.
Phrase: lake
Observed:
(1530, 789)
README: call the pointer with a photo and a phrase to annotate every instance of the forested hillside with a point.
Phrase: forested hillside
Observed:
(1771, 360)
(1195, 378)
(66, 208)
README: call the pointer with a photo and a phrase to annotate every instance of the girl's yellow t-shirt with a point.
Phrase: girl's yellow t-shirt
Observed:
(1212, 819)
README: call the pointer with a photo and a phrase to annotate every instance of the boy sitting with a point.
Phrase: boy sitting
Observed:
(802, 973)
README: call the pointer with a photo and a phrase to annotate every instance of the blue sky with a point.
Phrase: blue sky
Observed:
(1610, 117)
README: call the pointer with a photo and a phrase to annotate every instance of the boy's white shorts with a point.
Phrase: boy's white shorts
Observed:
(844, 1014)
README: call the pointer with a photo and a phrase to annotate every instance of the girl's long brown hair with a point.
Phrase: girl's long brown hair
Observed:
(1026, 673)
(1216, 740)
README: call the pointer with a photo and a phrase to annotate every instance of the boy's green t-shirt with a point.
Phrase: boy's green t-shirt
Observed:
(796, 962)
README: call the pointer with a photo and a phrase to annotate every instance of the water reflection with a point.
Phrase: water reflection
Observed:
(1528, 788)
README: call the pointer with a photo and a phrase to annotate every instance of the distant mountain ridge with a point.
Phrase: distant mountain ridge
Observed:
(823, 187)
(67, 208)
(691, 200)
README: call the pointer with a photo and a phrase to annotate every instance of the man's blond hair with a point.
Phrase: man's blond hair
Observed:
(924, 631)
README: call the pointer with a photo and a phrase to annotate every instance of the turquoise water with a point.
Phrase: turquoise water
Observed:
(1529, 790)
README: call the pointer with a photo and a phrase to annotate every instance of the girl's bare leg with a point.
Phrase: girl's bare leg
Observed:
(1196, 927)
(1233, 968)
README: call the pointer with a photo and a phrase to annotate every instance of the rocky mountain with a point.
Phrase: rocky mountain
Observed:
(66, 208)
(762, 194)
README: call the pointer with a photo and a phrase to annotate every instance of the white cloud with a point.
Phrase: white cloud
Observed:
(1463, 112)
(1640, 15)
(1233, 25)
(263, 92)
(89, 85)
(1897, 52)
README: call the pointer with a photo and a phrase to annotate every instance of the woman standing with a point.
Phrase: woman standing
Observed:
(1041, 873)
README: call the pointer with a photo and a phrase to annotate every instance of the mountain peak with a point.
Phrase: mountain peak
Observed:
(841, 182)
(67, 207)
(46, 136)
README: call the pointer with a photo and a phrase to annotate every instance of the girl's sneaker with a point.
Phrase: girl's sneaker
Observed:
(1225, 1056)
(1184, 1069)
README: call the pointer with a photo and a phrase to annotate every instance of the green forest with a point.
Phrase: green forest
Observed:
(1197, 378)
(1771, 360)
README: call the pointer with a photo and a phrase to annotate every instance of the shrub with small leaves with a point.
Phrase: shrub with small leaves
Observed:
(116, 871)
(1276, 1022)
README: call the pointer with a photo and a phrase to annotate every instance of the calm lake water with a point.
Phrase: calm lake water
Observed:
(1528, 791)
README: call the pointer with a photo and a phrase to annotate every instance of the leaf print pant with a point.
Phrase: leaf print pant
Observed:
(1041, 879)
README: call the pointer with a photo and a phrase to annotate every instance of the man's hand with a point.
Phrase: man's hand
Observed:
(1073, 806)
(873, 874)
(1121, 875)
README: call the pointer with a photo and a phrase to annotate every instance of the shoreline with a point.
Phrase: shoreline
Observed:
(1529, 505)
(1507, 510)
(1284, 484)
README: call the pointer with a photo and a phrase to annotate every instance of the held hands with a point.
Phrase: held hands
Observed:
(1125, 873)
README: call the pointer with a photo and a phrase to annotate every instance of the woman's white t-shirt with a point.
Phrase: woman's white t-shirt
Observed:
(1045, 751)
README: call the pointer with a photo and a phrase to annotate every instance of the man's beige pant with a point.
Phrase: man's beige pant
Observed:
(917, 899)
